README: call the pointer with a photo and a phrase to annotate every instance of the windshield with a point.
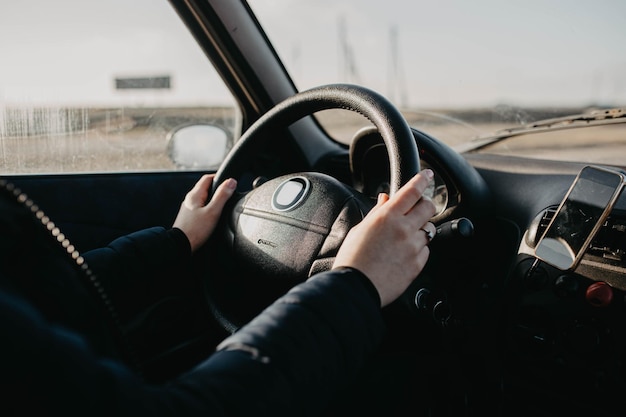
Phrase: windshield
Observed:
(460, 70)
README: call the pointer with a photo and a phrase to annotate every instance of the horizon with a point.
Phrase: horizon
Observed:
(573, 64)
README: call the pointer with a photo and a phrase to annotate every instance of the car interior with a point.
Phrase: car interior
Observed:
(502, 321)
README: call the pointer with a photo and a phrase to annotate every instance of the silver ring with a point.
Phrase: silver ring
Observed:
(429, 234)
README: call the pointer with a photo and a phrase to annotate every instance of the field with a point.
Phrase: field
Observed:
(135, 139)
(96, 140)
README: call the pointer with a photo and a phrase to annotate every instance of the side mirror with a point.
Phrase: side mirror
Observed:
(201, 146)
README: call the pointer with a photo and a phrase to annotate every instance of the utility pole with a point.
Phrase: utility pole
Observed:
(347, 65)
(396, 83)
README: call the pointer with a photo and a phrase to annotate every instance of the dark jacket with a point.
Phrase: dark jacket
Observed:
(287, 361)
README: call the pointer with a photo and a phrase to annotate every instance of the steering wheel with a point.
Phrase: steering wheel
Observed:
(291, 227)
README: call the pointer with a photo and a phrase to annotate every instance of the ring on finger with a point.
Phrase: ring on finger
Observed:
(429, 233)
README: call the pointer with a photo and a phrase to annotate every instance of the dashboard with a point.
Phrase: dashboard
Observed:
(568, 325)
(369, 161)
(605, 258)
(560, 334)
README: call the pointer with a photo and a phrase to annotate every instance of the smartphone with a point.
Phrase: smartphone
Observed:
(582, 212)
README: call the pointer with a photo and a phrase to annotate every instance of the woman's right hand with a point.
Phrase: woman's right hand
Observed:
(390, 245)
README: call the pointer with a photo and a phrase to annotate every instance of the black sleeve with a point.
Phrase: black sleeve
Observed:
(300, 350)
(139, 268)
(140, 254)
(287, 361)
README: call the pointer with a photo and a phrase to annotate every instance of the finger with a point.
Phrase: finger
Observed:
(420, 213)
(203, 186)
(204, 183)
(198, 195)
(410, 193)
(382, 199)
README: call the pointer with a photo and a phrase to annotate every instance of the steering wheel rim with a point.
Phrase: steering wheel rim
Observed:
(395, 131)
(403, 161)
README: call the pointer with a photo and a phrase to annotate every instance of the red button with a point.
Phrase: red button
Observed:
(599, 294)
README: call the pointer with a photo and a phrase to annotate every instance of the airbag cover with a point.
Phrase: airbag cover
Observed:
(280, 228)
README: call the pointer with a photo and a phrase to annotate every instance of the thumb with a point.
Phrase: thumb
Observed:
(222, 194)
(382, 199)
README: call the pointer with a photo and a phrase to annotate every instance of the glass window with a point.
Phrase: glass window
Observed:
(93, 86)
(458, 70)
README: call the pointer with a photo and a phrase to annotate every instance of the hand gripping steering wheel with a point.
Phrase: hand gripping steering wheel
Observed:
(291, 227)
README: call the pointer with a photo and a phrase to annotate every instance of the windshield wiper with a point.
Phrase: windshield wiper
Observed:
(596, 117)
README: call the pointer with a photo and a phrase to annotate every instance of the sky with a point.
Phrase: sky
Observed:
(450, 53)
(459, 51)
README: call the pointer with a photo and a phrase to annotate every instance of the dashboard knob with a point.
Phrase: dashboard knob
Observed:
(599, 294)
(441, 312)
(427, 301)
(457, 228)
(566, 286)
(423, 299)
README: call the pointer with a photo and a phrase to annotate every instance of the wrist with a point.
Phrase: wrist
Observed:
(181, 239)
(367, 283)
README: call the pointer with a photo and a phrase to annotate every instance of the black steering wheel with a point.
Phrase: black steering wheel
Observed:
(289, 228)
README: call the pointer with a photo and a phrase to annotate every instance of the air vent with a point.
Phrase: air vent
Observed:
(608, 246)
(539, 225)
(609, 243)
(546, 218)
